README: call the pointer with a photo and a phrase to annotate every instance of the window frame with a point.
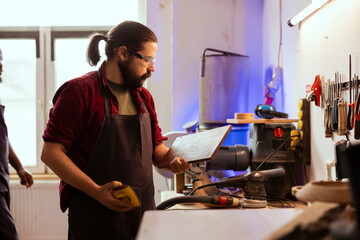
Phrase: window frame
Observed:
(45, 72)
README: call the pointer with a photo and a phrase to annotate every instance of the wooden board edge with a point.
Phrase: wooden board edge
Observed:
(277, 120)
(221, 142)
(199, 160)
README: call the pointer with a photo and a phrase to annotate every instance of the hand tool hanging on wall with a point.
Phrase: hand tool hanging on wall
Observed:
(331, 113)
(327, 111)
(349, 114)
(341, 109)
(355, 93)
(334, 116)
(323, 93)
(315, 93)
(356, 113)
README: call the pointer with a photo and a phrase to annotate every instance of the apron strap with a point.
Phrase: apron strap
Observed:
(106, 100)
(143, 105)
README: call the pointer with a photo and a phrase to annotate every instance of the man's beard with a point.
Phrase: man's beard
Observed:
(131, 80)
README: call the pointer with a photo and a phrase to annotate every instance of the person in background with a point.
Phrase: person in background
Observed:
(103, 132)
(7, 155)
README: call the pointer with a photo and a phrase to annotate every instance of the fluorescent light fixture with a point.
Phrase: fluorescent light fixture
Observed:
(315, 5)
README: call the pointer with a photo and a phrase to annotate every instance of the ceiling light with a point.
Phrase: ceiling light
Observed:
(316, 4)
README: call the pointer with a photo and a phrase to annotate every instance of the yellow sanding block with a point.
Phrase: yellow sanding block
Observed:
(127, 194)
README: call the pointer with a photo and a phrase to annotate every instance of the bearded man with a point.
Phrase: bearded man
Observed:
(103, 132)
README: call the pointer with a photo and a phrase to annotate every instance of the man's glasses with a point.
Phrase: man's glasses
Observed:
(149, 59)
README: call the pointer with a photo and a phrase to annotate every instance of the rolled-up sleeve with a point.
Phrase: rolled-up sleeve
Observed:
(66, 118)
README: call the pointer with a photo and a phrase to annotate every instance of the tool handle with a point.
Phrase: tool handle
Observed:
(341, 118)
(325, 117)
(357, 129)
(348, 122)
(326, 122)
(335, 114)
(353, 113)
(357, 120)
(331, 118)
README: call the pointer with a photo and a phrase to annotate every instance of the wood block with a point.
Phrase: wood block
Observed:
(179, 182)
(200, 146)
(243, 116)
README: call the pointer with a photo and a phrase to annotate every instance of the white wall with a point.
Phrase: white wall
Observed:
(319, 45)
(159, 19)
(185, 28)
(198, 25)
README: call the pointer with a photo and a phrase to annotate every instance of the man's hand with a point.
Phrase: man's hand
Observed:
(105, 197)
(179, 165)
(25, 177)
(176, 165)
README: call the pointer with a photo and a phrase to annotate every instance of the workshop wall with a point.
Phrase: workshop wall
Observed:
(226, 25)
(319, 45)
(184, 29)
(229, 25)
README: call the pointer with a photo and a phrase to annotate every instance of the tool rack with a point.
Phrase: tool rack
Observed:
(341, 113)
(346, 85)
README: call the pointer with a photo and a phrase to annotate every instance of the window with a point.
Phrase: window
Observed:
(43, 49)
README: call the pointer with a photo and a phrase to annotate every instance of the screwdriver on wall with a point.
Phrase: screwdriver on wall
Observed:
(348, 122)
(355, 93)
(335, 104)
(341, 109)
(327, 111)
(356, 113)
(331, 111)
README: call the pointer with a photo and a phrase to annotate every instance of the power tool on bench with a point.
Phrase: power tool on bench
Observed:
(273, 177)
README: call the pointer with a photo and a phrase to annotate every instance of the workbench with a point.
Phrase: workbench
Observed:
(214, 224)
(196, 221)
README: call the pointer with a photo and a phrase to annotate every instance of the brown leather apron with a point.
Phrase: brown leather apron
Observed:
(123, 152)
(7, 224)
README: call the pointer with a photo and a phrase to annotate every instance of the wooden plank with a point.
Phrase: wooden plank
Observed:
(197, 147)
(261, 120)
